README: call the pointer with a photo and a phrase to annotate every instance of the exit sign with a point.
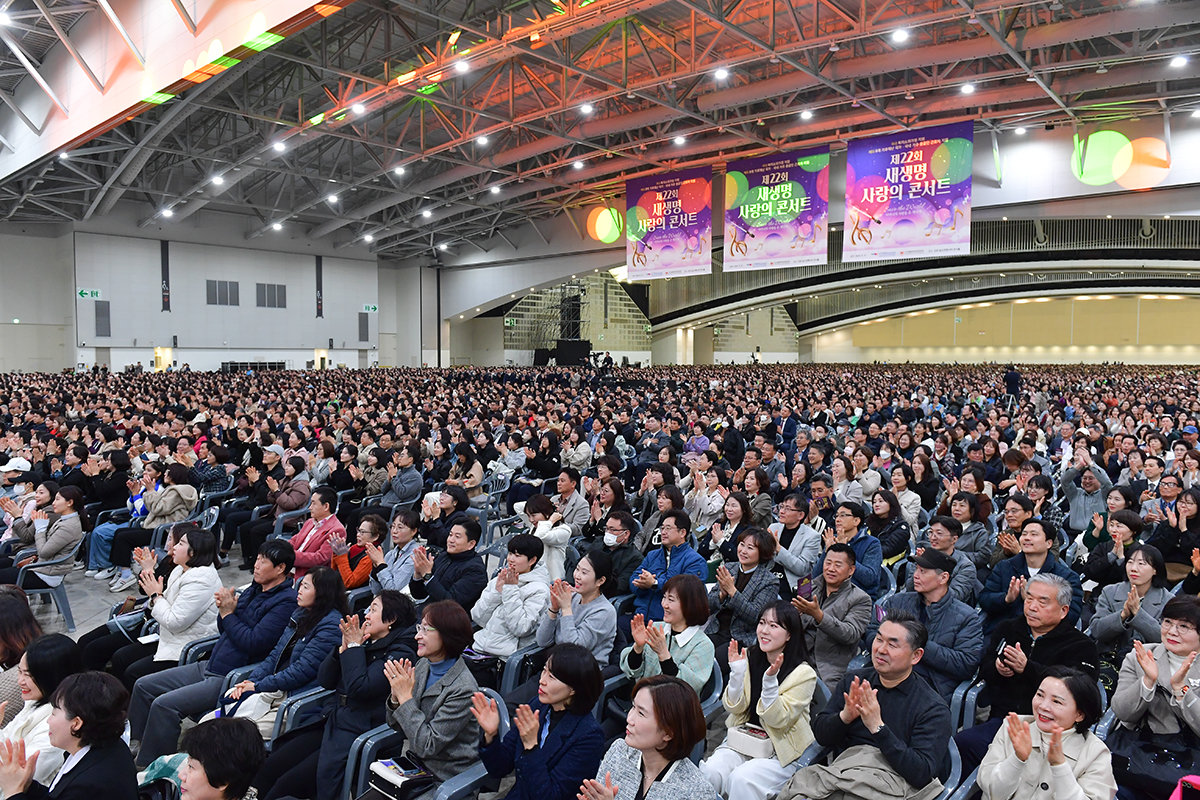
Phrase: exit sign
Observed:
(370, 308)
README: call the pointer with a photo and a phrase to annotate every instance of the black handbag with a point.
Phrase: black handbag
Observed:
(401, 778)
(1154, 764)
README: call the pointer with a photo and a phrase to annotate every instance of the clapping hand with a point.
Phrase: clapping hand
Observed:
(736, 653)
(1133, 603)
(849, 711)
(1054, 751)
(637, 629)
(226, 601)
(352, 632)
(775, 666)
(16, 770)
(151, 584)
(594, 790)
(401, 676)
(1196, 560)
(1015, 658)
(726, 581)
(1015, 588)
(487, 714)
(272, 484)
(374, 553)
(560, 596)
(645, 580)
(146, 558)
(422, 563)
(527, 726)
(1018, 734)
(1179, 679)
(337, 543)
(657, 639)
(1146, 661)
(1009, 543)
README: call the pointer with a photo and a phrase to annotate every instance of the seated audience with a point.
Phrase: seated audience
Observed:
(394, 569)
(430, 701)
(457, 574)
(663, 725)
(291, 494)
(441, 511)
(352, 561)
(887, 523)
(249, 625)
(617, 545)
(48, 660)
(1106, 562)
(171, 501)
(403, 479)
(579, 613)
(554, 743)
(1178, 534)
(674, 557)
(1129, 611)
(798, 546)
(55, 535)
(89, 714)
(548, 525)
(836, 614)
(18, 628)
(510, 607)
(743, 589)
(723, 534)
(1051, 753)
(354, 671)
(677, 645)
(770, 688)
(222, 756)
(1019, 652)
(954, 629)
(942, 535)
(1001, 598)
(886, 726)
(1156, 702)
(848, 529)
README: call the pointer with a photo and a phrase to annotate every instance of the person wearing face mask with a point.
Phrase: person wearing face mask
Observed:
(1052, 752)
(618, 545)
(354, 671)
(770, 688)
(555, 742)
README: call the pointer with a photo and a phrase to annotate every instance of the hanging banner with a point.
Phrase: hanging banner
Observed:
(668, 224)
(777, 211)
(908, 195)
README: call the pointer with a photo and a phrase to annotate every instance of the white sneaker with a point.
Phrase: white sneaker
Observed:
(123, 584)
(91, 573)
(105, 574)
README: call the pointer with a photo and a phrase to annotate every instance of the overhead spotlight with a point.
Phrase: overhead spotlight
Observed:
(1031, 78)
(368, 238)
(462, 67)
(721, 73)
(495, 190)
(5, 19)
(908, 95)
(279, 147)
(967, 88)
(578, 165)
(398, 171)
(1100, 70)
(900, 35)
(64, 155)
(972, 20)
(168, 212)
(1196, 114)
(587, 108)
(358, 108)
(1019, 131)
(443, 246)
(806, 114)
(218, 180)
(1179, 61)
(833, 47)
(680, 139)
(276, 226)
(427, 213)
(774, 59)
(332, 199)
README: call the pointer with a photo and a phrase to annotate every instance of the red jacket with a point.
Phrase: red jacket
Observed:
(312, 546)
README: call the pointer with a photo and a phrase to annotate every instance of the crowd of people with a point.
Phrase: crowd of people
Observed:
(833, 552)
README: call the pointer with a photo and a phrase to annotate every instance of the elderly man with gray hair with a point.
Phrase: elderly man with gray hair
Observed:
(1018, 654)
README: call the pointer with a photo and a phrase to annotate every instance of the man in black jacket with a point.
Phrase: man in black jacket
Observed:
(458, 574)
(1019, 652)
(887, 726)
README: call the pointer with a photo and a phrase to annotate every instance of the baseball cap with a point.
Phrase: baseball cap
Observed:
(276, 449)
(1190, 429)
(17, 464)
(934, 559)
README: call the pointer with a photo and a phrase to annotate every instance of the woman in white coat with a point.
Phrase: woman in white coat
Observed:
(184, 608)
(47, 660)
(547, 525)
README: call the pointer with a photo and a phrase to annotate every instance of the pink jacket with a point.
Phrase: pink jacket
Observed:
(312, 545)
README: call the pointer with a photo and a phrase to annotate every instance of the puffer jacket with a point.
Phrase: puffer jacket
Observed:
(293, 493)
(186, 611)
(509, 618)
(171, 503)
(54, 540)
(299, 673)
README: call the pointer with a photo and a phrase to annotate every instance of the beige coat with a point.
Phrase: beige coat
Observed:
(55, 541)
(1087, 772)
(171, 503)
(786, 720)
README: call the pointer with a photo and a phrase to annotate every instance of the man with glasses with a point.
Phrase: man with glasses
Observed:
(675, 557)
(868, 553)
(943, 534)
(617, 544)
(798, 544)
(1156, 509)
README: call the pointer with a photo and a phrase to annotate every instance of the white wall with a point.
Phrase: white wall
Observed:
(127, 272)
(477, 342)
(36, 288)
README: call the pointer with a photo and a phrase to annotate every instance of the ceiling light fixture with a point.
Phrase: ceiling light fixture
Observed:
(443, 247)
(368, 238)
(1100, 70)
(218, 180)
(721, 73)
(967, 88)
(900, 35)
(5, 19)
(908, 95)
(276, 226)
(482, 141)
(64, 155)
(279, 147)
(1179, 61)
(358, 108)
(398, 171)
(680, 139)
(587, 108)
(427, 213)
(462, 66)
(806, 114)
(495, 190)
(332, 199)
(1196, 114)
(578, 165)
(168, 213)
(834, 47)
(1020, 131)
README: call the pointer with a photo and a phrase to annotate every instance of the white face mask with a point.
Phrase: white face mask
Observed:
(610, 539)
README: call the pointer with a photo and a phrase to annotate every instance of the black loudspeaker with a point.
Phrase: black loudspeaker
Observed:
(541, 357)
(174, 341)
(572, 352)
(331, 341)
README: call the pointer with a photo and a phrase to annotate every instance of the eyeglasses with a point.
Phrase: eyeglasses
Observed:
(423, 628)
(614, 529)
(1177, 626)
(843, 514)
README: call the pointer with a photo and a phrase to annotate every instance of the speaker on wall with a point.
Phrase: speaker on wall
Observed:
(174, 341)
(572, 351)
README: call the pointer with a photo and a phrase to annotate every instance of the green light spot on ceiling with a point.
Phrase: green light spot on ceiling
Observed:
(226, 61)
(340, 117)
(158, 98)
(263, 41)
(317, 120)
(1102, 158)
(430, 89)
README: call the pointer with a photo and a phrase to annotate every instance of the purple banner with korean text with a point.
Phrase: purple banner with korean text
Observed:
(908, 195)
(777, 211)
(668, 224)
